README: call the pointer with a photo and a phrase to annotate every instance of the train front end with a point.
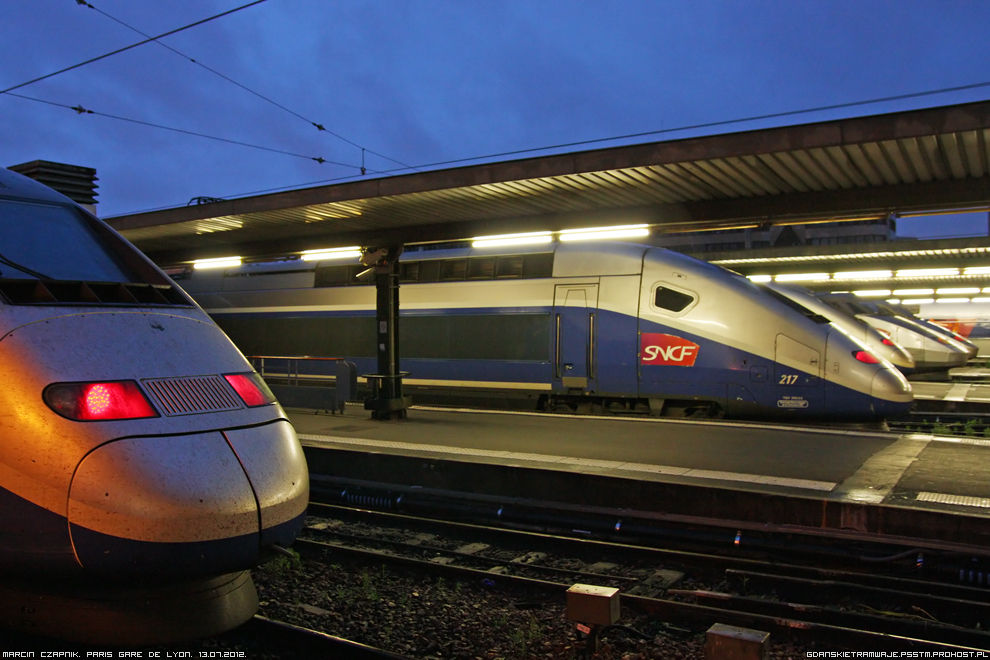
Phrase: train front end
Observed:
(144, 466)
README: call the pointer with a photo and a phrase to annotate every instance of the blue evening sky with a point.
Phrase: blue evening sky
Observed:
(426, 81)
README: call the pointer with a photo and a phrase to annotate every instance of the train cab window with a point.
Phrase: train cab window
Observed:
(41, 241)
(795, 305)
(671, 300)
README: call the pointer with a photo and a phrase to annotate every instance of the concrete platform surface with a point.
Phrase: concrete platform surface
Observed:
(915, 471)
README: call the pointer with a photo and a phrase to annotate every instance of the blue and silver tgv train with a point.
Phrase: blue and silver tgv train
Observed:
(605, 324)
(144, 465)
(932, 350)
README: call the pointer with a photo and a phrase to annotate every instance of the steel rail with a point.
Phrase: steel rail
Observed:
(665, 610)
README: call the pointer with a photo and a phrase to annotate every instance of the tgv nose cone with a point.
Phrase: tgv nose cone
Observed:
(166, 505)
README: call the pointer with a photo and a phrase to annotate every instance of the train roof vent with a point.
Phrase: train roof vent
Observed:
(72, 292)
(192, 395)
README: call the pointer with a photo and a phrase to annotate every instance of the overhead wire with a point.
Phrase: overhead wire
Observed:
(713, 124)
(79, 109)
(727, 122)
(126, 48)
(318, 126)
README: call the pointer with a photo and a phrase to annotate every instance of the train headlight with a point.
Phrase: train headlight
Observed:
(98, 401)
(251, 388)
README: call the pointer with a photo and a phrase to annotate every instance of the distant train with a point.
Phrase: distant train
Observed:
(970, 320)
(933, 349)
(878, 342)
(575, 326)
(144, 465)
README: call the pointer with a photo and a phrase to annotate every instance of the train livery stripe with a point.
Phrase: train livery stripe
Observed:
(481, 384)
(571, 461)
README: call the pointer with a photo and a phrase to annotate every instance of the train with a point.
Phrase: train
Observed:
(932, 349)
(574, 327)
(970, 320)
(892, 308)
(145, 467)
(878, 342)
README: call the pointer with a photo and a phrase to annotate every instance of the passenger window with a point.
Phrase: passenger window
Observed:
(671, 300)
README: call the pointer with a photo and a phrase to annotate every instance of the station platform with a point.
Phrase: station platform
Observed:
(913, 488)
(964, 396)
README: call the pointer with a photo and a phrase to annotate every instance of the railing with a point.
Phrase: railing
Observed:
(308, 390)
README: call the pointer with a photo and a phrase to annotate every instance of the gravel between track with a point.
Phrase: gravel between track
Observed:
(426, 617)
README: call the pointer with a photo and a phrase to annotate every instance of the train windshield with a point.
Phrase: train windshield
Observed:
(53, 242)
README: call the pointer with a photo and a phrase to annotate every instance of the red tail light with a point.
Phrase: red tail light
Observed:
(98, 401)
(866, 357)
(251, 388)
(887, 342)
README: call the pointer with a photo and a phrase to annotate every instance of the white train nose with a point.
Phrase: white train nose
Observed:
(187, 504)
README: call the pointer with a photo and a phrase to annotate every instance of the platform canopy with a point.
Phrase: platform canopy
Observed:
(846, 169)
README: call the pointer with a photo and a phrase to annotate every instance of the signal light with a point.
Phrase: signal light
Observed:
(251, 388)
(87, 402)
(866, 357)
(888, 342)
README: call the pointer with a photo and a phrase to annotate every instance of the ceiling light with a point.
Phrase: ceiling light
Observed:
(894, 301)
(760, 278)
(332, 253)
(927, 272)
(512, 239)
(958, 291)
(918, 301)
(220, 262)
(977, 270)
(913, 292)
(864, 275)
(622, 231)
(980, 300)
(873, 293)
(801, 277)
(952, 300)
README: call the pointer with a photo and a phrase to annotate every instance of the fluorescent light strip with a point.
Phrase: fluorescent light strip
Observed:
(977, 270)
(980, 300)
(864, 275)
(952, 300)
(801, 277)
(958, 291)
(332, 253)
(621, 231)
(918, 301)
(913, 292)
(927, 272)
(220, 262)
(857, 256)
(894, 301)
(760, 278)
(873, 293)
(512, 239)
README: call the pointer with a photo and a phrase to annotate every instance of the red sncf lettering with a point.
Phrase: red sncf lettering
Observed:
(661, 349)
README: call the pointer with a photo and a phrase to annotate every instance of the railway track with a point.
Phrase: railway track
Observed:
(873, 610)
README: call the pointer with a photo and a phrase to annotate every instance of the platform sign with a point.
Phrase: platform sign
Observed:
(667, 350)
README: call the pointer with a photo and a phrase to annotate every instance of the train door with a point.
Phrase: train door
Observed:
(575, 308)
(797, 376)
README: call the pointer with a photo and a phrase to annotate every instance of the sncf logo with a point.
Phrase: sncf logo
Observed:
(662, 349)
